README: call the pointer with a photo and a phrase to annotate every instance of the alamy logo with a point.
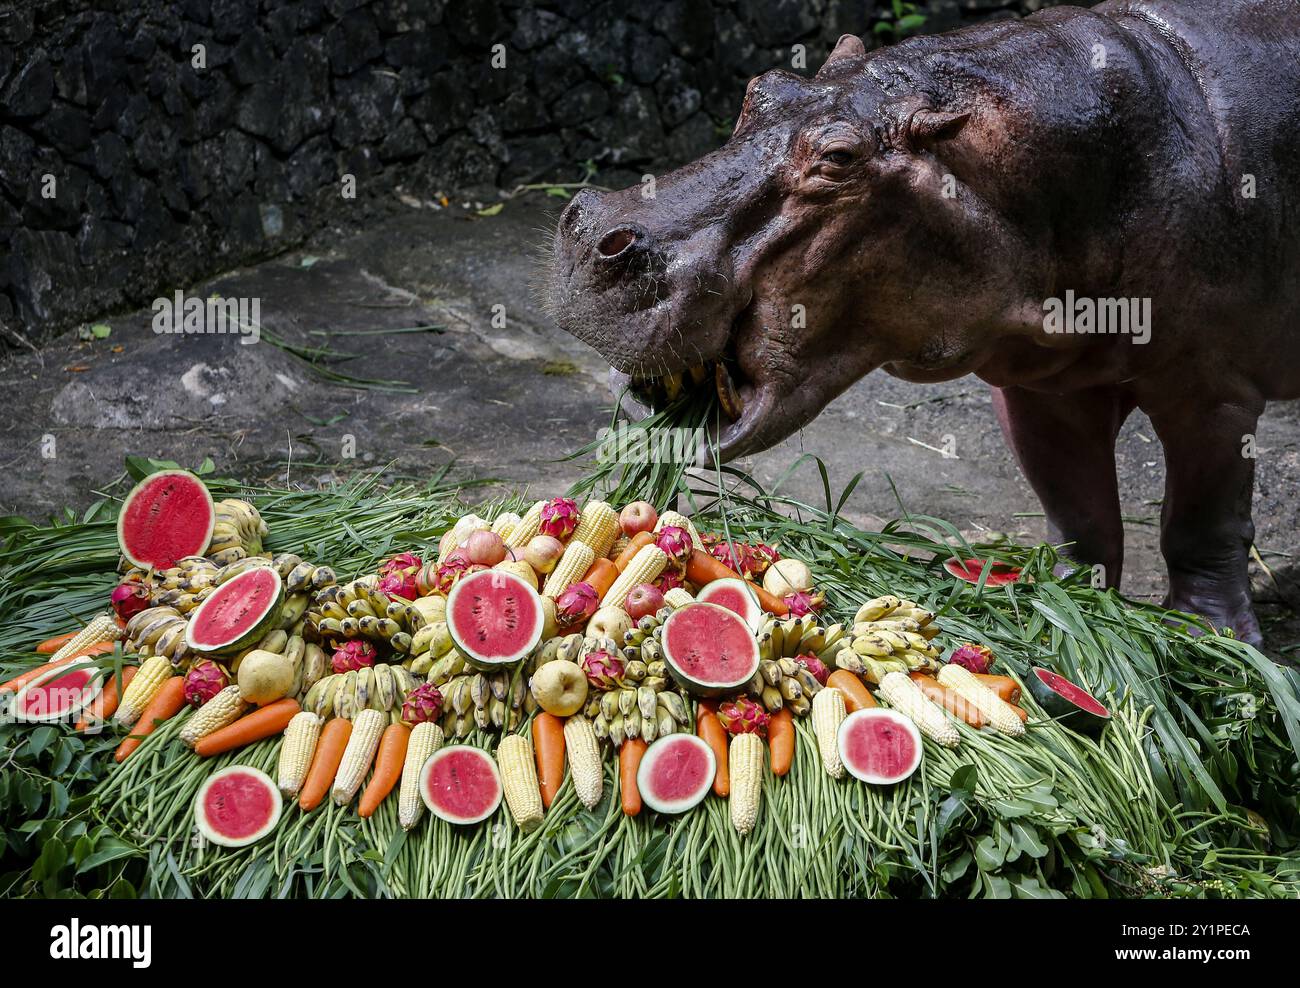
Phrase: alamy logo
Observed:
(1099, 316)
(75, 942)
(180, 314)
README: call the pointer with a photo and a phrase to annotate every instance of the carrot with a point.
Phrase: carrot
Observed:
(601, 576)
(31, 675)
(388, 768)
(629, 760)
(105, 705)
(548, 749)
(856, 694)
(714, 734)
(165, 705)
(331, 744)
(780, 739)
(1003, 686)
(702, 569)
(57, 642)
(264, 722)
(639, 541)
(950, 700)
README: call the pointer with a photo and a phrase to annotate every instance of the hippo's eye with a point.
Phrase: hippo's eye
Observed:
(838, 157)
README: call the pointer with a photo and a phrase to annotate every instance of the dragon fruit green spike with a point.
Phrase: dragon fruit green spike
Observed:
(805, 602)
(559, 517)
(974, 658)
(604, 670)
(577, 604)
(397, 576)
(421, 704)
(815, 666)
(675, 543)
(204, 681)
(356, 654)
(743, 716)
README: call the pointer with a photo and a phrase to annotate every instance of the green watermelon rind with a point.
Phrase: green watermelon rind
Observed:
(472, 657)
(138, 489)
(1063, 710)
(210, 832)
(88, 693)
(673, 806)
(265, 623)
(689, 683)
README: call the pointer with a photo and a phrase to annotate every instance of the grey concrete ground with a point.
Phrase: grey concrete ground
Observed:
(507, 401)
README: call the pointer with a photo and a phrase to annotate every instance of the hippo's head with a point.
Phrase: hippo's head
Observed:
(822, 241)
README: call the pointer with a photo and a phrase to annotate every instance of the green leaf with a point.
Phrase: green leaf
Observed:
(111, 850)
(988, 856)
(910, 22)
(101, 330)
(491, 210)
(40, 739)
(558, 193)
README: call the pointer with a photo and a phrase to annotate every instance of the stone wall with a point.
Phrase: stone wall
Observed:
(133, 162)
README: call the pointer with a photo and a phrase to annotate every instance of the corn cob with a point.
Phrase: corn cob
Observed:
(573, 565)
(745, 760)
(991, 706)
(222, 710)
(519, 779)
(583, 752)
(906, 697)
(504, 523)
(678, 520)
(296, 749)
(678, 597)
(616, 550)
(102, 628)
(367, 726)
(148, 681)
(597, 527)
(528, 526)
(645, 567)
(828, 714)
(426, 738)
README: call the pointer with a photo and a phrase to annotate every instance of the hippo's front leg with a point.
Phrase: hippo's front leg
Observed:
(1066, 447)
(1206, 529)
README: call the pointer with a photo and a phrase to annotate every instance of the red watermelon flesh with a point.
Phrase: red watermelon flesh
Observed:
(970, 570)
(237, 806)
(676, 773)
(734, 595)
(460, 784)
(57, 696)
(494, 617)
(879, 746)
(236, 611)
(167, 516)
(709, 650)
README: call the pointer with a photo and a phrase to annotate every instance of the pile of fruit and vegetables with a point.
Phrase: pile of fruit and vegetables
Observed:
(392, 692)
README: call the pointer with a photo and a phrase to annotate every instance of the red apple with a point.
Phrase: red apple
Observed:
(639, 516)
(643, 599)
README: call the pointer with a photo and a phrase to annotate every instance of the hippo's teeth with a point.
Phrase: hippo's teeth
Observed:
(732, 403)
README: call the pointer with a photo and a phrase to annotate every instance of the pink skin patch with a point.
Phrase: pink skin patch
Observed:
(710, 644)
(462, 784)
(169, 518)
(680, 772)
(62, 692)
(493, 613)
(235, 608)
(1080, 697)
(238, 805)
(879, 747)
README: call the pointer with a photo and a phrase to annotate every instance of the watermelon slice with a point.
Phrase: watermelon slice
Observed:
(676, 773)
(735, 595)
(57, 695)
(237, 806)
(971, 569)
(495, 618)
(710, 650)
(238, 613)
(167, 516)
(461, 784)
(879, 746)
(1066, 702)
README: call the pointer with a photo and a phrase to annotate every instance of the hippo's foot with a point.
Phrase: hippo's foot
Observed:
(1220, 609)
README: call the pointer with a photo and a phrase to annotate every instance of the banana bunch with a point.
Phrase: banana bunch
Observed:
(429, 646)
(646, 707)
(488, 701)
(300, 576)
(358, 610)
(183, 601)
(567, 648)
(238, 532)
(381, 687)
(889, 635)
(896, 614)
(158, 630)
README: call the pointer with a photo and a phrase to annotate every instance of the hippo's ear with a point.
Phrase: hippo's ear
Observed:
(849, 46)
(925, 126)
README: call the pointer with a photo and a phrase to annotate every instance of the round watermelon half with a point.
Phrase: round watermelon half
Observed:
(237, 613)
(879, 746)
(710, 650)
(970, 570)
(1067, 703)
(676, 773)
(167, 516)
(735, 595)
(494, 618)
(460, 784)
(57, 695)
(237, 806)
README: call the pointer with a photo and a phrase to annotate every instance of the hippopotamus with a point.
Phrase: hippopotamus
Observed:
(1093, 210)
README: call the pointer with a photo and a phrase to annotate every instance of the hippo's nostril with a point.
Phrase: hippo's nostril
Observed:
(616, 241)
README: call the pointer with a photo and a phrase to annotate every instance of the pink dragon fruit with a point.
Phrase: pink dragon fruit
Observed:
(815, 666)
(421, 704)
(559, 517)
(723, 551)
(576, 605)
(129, 599)
(397, 576)
(669, 579)
(451, 569)
(743, 716)
(805, 602)
(356, 654)
(204, 681)
(675, 543)
(975, 658)
(604, 669)
(758, 558)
